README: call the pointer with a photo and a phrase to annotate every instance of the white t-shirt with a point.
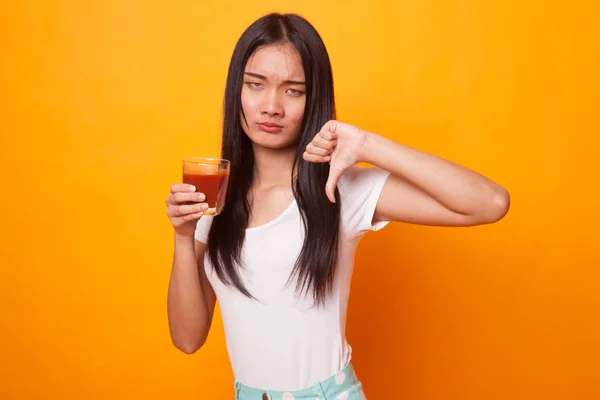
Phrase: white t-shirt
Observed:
(283, 342)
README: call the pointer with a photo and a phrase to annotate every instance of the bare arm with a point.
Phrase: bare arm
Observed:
(429, 190)
(191, 299)
(422, 189)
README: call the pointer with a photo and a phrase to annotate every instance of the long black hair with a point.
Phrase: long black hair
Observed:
(315, 266)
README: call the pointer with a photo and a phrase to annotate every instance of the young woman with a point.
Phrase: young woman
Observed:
(279, 258)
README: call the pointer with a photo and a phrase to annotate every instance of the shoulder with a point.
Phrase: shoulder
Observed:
(360, 179)
(202, 228)
(360, 189)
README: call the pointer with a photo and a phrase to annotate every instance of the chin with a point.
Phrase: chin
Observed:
(273, 141)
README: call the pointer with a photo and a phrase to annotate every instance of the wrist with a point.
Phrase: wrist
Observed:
(366, 152)
(181, 239)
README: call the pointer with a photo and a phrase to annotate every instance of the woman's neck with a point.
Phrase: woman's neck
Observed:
(272, 167)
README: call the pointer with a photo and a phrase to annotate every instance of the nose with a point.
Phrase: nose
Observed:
(271, 104)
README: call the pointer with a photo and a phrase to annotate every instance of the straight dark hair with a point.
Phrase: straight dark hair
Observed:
(316, 263)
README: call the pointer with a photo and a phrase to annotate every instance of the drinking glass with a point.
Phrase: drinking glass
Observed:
(210, 176)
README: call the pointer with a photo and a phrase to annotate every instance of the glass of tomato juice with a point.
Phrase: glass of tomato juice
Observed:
(210, 176)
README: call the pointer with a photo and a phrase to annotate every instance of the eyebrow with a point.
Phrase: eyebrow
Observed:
(258, 76)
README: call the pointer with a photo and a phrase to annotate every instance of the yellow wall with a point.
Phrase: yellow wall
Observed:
(100, 100)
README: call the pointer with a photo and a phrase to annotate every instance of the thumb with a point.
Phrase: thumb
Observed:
(335, 174)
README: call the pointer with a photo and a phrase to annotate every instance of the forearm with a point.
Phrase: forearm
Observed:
(454, 186)
(188, 312)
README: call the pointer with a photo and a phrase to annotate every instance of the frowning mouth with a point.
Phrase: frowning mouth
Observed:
(269, 127)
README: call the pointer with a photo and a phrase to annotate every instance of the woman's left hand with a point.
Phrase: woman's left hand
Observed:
(339, 144)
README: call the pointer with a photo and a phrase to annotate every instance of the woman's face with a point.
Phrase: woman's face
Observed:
(274, 96)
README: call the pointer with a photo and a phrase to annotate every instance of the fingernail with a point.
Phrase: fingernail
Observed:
(192, 188)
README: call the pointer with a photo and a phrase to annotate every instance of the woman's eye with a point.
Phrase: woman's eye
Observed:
(294, 92)
(254, 85)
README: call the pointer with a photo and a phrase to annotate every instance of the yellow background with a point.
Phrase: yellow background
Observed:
(100, 101)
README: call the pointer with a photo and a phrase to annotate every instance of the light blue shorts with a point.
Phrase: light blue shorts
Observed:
(342, 386)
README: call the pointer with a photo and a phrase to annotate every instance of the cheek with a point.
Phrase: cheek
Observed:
(296, 113)
(248, 103)
(249, 109)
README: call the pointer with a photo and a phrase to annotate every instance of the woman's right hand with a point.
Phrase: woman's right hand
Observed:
(184, 208)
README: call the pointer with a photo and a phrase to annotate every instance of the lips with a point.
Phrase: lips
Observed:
(269, 127)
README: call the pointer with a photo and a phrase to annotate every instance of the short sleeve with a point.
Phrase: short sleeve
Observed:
(202, 228)
(360, 189)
